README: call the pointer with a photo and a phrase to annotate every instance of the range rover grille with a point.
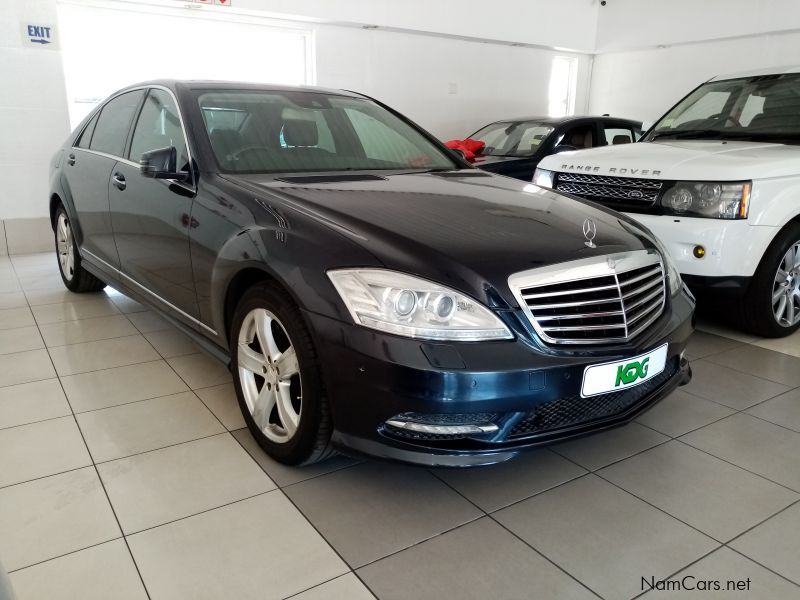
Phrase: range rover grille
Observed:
(615, 301)
(637, 192)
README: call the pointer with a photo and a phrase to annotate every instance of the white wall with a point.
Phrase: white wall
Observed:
(450, 87)
(628, 24)
(524, 21)
(671, 47)
(33, 110)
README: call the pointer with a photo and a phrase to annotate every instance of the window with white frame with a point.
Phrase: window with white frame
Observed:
(108, 44)
(563, 84)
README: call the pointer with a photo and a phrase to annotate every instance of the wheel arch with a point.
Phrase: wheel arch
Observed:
(244, 279)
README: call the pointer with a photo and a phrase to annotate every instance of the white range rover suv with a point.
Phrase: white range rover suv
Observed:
(717, 178)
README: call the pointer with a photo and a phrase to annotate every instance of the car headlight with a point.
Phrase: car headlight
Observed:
(709, 199)
(673, 276)
(412, 307)
(543, 178)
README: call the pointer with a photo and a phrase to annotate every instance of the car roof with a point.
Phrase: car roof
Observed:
(756, 72)
(556, 121)
(208, 84)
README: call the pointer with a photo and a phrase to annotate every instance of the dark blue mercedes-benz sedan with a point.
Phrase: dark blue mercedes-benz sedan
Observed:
(370, 291)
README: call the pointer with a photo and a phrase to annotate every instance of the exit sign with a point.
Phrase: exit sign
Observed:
(39, 35)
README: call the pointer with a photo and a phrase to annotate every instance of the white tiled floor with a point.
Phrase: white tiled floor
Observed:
(126, 473)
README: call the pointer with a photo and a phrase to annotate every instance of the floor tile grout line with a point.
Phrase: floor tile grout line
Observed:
(198, 513)
(45, 420)
(491, 518)
(749, 529)
(763, 566)
(317, 585)
(202, 437)
(100, 480)
(71, 552)
(751, 374)
(725, 460)
(671, 575)
(718, 403)
(56, 474)
(310, 522)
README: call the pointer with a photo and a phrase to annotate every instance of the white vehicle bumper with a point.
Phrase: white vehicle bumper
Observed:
(733, 248)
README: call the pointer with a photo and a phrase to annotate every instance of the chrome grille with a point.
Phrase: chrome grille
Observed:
(609, 299)
(642, 192)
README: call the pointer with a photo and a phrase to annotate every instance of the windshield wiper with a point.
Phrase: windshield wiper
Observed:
(689, 133)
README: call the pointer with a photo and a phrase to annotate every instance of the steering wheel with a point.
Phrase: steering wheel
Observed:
(235, 156)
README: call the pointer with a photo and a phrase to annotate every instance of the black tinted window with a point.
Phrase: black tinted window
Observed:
(114, 122)
(159, 126)
(288, 132)
(86, 136)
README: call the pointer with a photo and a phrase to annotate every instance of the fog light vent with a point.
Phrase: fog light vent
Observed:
(444, 424)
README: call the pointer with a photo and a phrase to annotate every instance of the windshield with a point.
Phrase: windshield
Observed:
(512, 138)
(765, 108)
(291, 132)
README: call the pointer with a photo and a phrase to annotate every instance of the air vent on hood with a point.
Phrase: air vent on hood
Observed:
(330, 178)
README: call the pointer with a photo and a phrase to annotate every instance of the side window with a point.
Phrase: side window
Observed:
(114, 122)
(618, 135)
(579, 137)
(86, 136)
(159, 126)
(379, 141)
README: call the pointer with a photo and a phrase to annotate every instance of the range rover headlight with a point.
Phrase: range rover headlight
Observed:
(412, 307)
(708, 199)
(543, 178)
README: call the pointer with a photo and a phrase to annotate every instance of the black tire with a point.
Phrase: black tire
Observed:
(756, 309)
(310, 443)
(79, 280)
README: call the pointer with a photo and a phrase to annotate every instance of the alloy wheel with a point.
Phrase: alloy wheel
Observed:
(66, 248)
(786, 288)
(269, 375)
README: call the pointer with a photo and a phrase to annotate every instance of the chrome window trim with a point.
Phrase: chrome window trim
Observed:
(152, 293)
(127, 161)
(586, 269)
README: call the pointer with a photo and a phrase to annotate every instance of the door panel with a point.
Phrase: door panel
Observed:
(87, 176)
(88, 167)
(151, 218)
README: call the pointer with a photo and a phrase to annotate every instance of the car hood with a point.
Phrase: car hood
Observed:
(470, 231)
(682, 159)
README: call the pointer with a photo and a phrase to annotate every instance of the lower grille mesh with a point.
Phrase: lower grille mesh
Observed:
(575, 410)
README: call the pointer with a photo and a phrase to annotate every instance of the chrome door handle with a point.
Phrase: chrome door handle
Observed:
(71, 160)
(119, 181)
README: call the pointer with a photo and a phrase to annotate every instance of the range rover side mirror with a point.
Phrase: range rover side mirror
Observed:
(162, 164)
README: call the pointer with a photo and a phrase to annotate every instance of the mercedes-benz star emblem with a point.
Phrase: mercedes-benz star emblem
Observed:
(589, 232)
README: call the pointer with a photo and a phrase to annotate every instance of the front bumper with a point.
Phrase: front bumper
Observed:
(733, 249)
(531, 392)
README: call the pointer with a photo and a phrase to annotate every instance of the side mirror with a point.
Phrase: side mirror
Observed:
(161, 164)
(459, 153)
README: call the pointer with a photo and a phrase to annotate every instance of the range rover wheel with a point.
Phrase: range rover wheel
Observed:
(277, 378)
(771, 307)
(75, 277)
